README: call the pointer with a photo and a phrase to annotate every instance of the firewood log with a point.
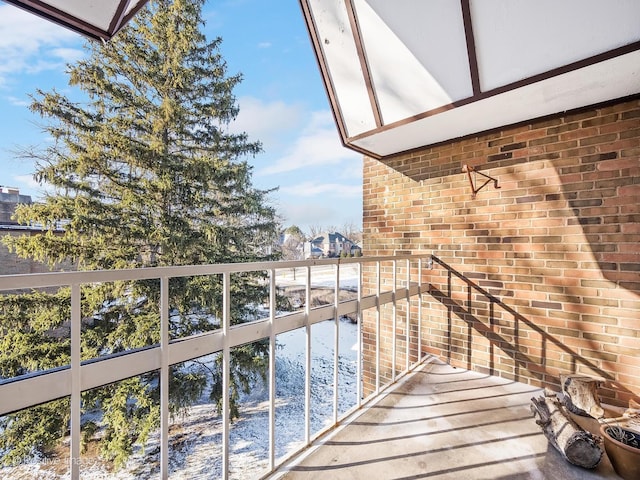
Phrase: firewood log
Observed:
(581, 395)
(576, 445)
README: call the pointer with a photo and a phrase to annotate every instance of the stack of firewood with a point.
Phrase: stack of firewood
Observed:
(579, 396)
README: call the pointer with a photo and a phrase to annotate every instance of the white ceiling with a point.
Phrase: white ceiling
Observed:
(410, 73)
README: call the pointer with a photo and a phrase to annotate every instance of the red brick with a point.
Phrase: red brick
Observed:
(564, 261)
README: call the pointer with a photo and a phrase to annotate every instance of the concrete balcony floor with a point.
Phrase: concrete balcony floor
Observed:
(440, 422)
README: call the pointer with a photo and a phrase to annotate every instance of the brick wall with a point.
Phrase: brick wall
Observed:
(9, 200)
(12, 264)
(535, 279)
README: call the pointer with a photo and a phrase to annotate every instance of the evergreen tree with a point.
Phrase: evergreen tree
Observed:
(144, 173)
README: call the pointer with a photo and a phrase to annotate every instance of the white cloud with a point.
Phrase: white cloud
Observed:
(28, 186)
(267, 122)
(26, 181)
(351, 169)
(18, 102)
(305, 215)
(264, 45)
(317, 145)
(295, 138)
(31, 44)
(68, 55)
(311, 189)
(324, 213)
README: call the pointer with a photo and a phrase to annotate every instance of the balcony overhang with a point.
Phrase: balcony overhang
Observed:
(96, 19)
(407, 74)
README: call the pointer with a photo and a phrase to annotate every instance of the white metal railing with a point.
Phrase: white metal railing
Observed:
(71, 380)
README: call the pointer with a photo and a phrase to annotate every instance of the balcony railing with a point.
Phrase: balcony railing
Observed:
(71, 380)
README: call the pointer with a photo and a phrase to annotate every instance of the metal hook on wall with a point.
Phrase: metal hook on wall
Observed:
(468, 169)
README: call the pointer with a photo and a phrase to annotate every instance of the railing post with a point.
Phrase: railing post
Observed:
(164, 378)
(272, 369)
(76, 393)
(419, 309)
(226, 360)
(394, 322)
(359, 338)
(378, 291)
(449, 314)
(307, 378)
(408, 322)
(336, 344)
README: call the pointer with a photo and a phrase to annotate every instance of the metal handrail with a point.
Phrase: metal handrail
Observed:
(33, 389)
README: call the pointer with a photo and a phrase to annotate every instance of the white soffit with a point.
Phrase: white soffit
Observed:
(348, 82)
(96, 19)
(587, 86)
(517, 39)
(403, 47)
(409, 73)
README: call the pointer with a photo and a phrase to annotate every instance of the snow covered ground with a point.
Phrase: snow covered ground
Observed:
(195, 441)
(249, 435)
(321, 276)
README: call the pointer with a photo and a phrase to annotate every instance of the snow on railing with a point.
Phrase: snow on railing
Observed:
(71, 380)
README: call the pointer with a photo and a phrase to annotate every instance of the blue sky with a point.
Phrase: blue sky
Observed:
(282, 102)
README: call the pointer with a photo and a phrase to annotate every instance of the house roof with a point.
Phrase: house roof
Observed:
(329, 237)
(406, 74)
(96, 19)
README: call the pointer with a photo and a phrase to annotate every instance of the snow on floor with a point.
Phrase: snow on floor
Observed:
(195, 441)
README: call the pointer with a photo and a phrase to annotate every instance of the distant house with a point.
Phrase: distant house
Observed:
(311, 251)
(10, 262)
(330, 244)
(10, 198)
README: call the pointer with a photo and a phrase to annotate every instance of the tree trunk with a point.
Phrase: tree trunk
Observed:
(576, 445)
